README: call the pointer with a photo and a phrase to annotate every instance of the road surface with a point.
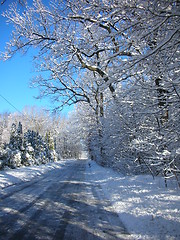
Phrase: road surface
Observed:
(60, 204)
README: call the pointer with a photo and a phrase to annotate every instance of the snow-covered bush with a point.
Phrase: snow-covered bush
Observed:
(15, 159)
(28, 149)
(53, 156)
(28, 155)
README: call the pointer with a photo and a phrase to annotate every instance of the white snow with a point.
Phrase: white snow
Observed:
(147, 208)
(14, 176)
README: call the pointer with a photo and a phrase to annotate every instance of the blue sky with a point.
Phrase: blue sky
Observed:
(15, 77)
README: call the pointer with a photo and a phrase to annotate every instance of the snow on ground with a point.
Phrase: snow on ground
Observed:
(14, 176)
(148, 209)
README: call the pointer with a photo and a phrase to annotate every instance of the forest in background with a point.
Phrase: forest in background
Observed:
(118, 61)
(36, 137)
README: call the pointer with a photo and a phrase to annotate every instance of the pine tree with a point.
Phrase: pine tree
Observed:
(19, 136)
(13, 137)
(28, 153)
(51, 147)
(50, 141)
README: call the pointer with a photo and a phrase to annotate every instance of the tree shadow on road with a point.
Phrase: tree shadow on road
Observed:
(65, 208)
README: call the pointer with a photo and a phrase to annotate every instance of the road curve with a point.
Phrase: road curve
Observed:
(60, 205)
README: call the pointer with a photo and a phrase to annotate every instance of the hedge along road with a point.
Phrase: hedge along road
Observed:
(60, 204)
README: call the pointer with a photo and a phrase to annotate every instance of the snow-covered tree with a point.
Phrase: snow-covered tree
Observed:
(28, 149)
(120, 58)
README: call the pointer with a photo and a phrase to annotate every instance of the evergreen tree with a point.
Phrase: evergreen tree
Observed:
(28, 152)
(19, 136)
(50, 141)
(16, 136)
(51, 147)
(13, 137)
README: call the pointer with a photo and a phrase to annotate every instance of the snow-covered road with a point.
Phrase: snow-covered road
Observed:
(59, 204)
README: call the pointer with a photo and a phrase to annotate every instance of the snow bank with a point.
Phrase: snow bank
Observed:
(14, 176)
(145, 206)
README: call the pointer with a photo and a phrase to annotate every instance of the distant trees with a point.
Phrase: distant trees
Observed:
(69, 139)
(37, 137)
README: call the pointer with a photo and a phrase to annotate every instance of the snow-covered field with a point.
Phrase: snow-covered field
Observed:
(148, 209)
(145, 206)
